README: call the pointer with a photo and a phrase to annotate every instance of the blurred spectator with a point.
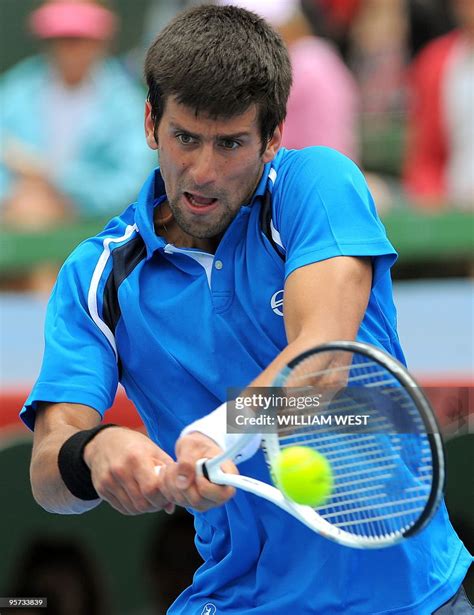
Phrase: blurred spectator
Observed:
(70, 123)
(323, 103)
(438, 166)
(62, 571)
(379, 55)
(337, 16)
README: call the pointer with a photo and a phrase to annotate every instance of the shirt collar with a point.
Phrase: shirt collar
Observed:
(262, 184)
(153, 193)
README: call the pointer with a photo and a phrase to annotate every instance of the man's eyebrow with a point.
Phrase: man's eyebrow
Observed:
(174, 126)
(238, 135)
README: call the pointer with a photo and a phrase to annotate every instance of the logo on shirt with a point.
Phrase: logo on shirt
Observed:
(209, 609)
(276, 303)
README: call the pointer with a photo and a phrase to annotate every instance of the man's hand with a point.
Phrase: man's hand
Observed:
(122, 463)
(180, 483)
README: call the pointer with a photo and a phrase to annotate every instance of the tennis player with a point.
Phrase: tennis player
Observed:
(237, 255)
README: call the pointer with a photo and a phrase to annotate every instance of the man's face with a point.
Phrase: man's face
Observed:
(210, 166)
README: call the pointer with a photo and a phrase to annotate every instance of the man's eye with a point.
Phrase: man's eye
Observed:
(229, 144)
(185, 139)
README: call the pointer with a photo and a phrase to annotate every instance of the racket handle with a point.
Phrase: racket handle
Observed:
(201, 469)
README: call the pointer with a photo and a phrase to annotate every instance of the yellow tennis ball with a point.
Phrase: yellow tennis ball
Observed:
(304, 475)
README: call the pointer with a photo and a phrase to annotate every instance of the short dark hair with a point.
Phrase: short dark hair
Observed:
(219, 60)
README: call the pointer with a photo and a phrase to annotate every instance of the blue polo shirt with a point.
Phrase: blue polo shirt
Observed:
(179, 326)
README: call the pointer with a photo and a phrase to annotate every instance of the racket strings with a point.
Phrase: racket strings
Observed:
(383, 473)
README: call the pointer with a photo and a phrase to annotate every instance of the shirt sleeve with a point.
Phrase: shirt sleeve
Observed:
(79, 364)
(323, 209)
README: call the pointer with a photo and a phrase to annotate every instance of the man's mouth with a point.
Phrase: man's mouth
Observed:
(199, 202)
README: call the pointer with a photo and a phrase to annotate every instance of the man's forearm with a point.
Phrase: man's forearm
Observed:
(48, 487)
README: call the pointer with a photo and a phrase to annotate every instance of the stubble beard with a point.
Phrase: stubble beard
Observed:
(203, 230)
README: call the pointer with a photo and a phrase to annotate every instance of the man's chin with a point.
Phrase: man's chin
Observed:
(204, 233)
(201, 227)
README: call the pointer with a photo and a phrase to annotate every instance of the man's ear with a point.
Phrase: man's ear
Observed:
(150, 127)
(273, 145)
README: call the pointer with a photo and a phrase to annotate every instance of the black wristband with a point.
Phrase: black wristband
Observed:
(72, 467)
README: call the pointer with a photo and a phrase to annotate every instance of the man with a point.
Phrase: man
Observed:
(320, 111)
(58, 123)
(179, 299)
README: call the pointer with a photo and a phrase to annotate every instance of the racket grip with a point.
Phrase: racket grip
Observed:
(201, 469)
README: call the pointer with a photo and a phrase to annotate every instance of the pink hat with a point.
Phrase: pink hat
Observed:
(73, 18)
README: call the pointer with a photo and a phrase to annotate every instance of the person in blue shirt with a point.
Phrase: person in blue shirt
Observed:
(237, 255)
(62, 111)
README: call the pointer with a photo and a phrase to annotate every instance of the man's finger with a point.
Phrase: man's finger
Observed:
(115, 503)
(185, 473)
(167, 483)
(118, 498)
(148, 484)
(212, 492)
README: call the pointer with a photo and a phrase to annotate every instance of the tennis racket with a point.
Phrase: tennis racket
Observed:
(388, 477)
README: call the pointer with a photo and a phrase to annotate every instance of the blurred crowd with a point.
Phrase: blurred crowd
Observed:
(71, 124)
(389, 83)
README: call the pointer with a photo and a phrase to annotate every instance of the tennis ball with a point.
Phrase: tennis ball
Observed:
(304, 475)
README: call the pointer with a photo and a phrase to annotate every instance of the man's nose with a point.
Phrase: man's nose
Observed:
(204, 167)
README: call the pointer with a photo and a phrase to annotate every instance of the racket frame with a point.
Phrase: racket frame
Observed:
(423, 406)
(210, 468)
